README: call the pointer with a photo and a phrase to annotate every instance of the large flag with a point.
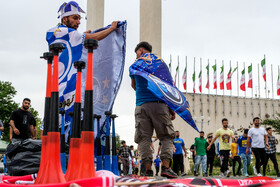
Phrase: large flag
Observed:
(207, 84)
(108, 66)
(200, 81)
(264, 69)
(250, 82)
(193, 78)
(278, 84)
(215, 76)
(242, 80)
(160, 83)
(177, 71)
(184, 78)
(222, 78)
(229, 78)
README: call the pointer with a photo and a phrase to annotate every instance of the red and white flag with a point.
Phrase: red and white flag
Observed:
(278, 84)
(215, 76)
(207, 84)
(250, 82)
(264, 69)
(242, 80)
(222, 78)
(193, 78)
(229, 78)
(200, 81)
(184, 79)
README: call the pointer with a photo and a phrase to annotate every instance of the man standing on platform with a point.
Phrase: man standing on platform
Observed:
(178, 157)
(258, 135)
(151, 112)
(224, 134)
(271, 153)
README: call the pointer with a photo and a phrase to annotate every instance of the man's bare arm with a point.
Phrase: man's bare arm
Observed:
(102, 34)
(15, 130)
(133, 84)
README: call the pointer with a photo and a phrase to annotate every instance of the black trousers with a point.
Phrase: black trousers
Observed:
(157, 170)
(210, 163)
(236, 159)
(224, 156)
(272, 157)
(260, 158)
(178, 163)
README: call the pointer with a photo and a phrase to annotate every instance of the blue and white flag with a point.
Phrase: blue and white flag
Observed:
(108, 66)
(160, 83)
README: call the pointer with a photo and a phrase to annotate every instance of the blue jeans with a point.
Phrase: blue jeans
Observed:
(200, 159)
(246, 159)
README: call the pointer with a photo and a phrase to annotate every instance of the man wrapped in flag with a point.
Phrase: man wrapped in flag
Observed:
(156, 100)
(66, 33)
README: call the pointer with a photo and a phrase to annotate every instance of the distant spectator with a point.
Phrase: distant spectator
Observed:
(178, 157)
(211, 154)
(235, 157)
(157, 162)
(124, 153)
(200, 154)
(246, 157)
(1, 126)
(271, 153)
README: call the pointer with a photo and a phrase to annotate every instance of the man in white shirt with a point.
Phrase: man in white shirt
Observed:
(258, 135)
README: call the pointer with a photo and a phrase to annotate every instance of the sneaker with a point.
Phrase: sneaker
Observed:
(221, 174)
(255, 170)
(205, 175)
(210, 175)
(227, 173)
(195, 174)
(246, 175)
(149, 173)
(183, 174)
(259, 175)
(278, 174)
(168, 172)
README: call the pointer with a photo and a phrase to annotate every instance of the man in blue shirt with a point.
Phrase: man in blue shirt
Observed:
(178, 159)
(152, 113)
(246, 158)
(157, 162)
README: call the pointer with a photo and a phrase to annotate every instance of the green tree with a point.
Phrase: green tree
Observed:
(8, 105)
(273, 122)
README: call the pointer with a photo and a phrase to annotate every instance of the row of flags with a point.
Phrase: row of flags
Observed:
(228, 78)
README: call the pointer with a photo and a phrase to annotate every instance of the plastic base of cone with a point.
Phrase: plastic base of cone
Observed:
(87, 169)
(52, 172)
(74, 160)
(42, 161)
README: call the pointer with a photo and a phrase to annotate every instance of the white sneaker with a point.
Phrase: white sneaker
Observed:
(259, 175)
(227, 173)
(221, 174)
(255, 170)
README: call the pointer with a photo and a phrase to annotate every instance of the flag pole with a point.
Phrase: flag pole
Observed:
(216, 107)
(170, 65)
(245, 90)
(237, 80)
(193, 84)
(208, 78)
(265, 81)
(224, 88)
(186, 74)
(252, 104)
(201, 91)
(230, 91)
(178, 74)
(272, 91)
(259, 89)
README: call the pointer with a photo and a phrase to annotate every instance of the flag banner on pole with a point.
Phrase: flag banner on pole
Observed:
(108, 66)
(264, 69)
(250, 82)
(229, 78)
(160, 83)
(200, 81)
(177, 70)
(278, 84)
(193, 78)
(215, 76)
(222, 78)
(207, 84)
(242, 80)
(184, 78)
